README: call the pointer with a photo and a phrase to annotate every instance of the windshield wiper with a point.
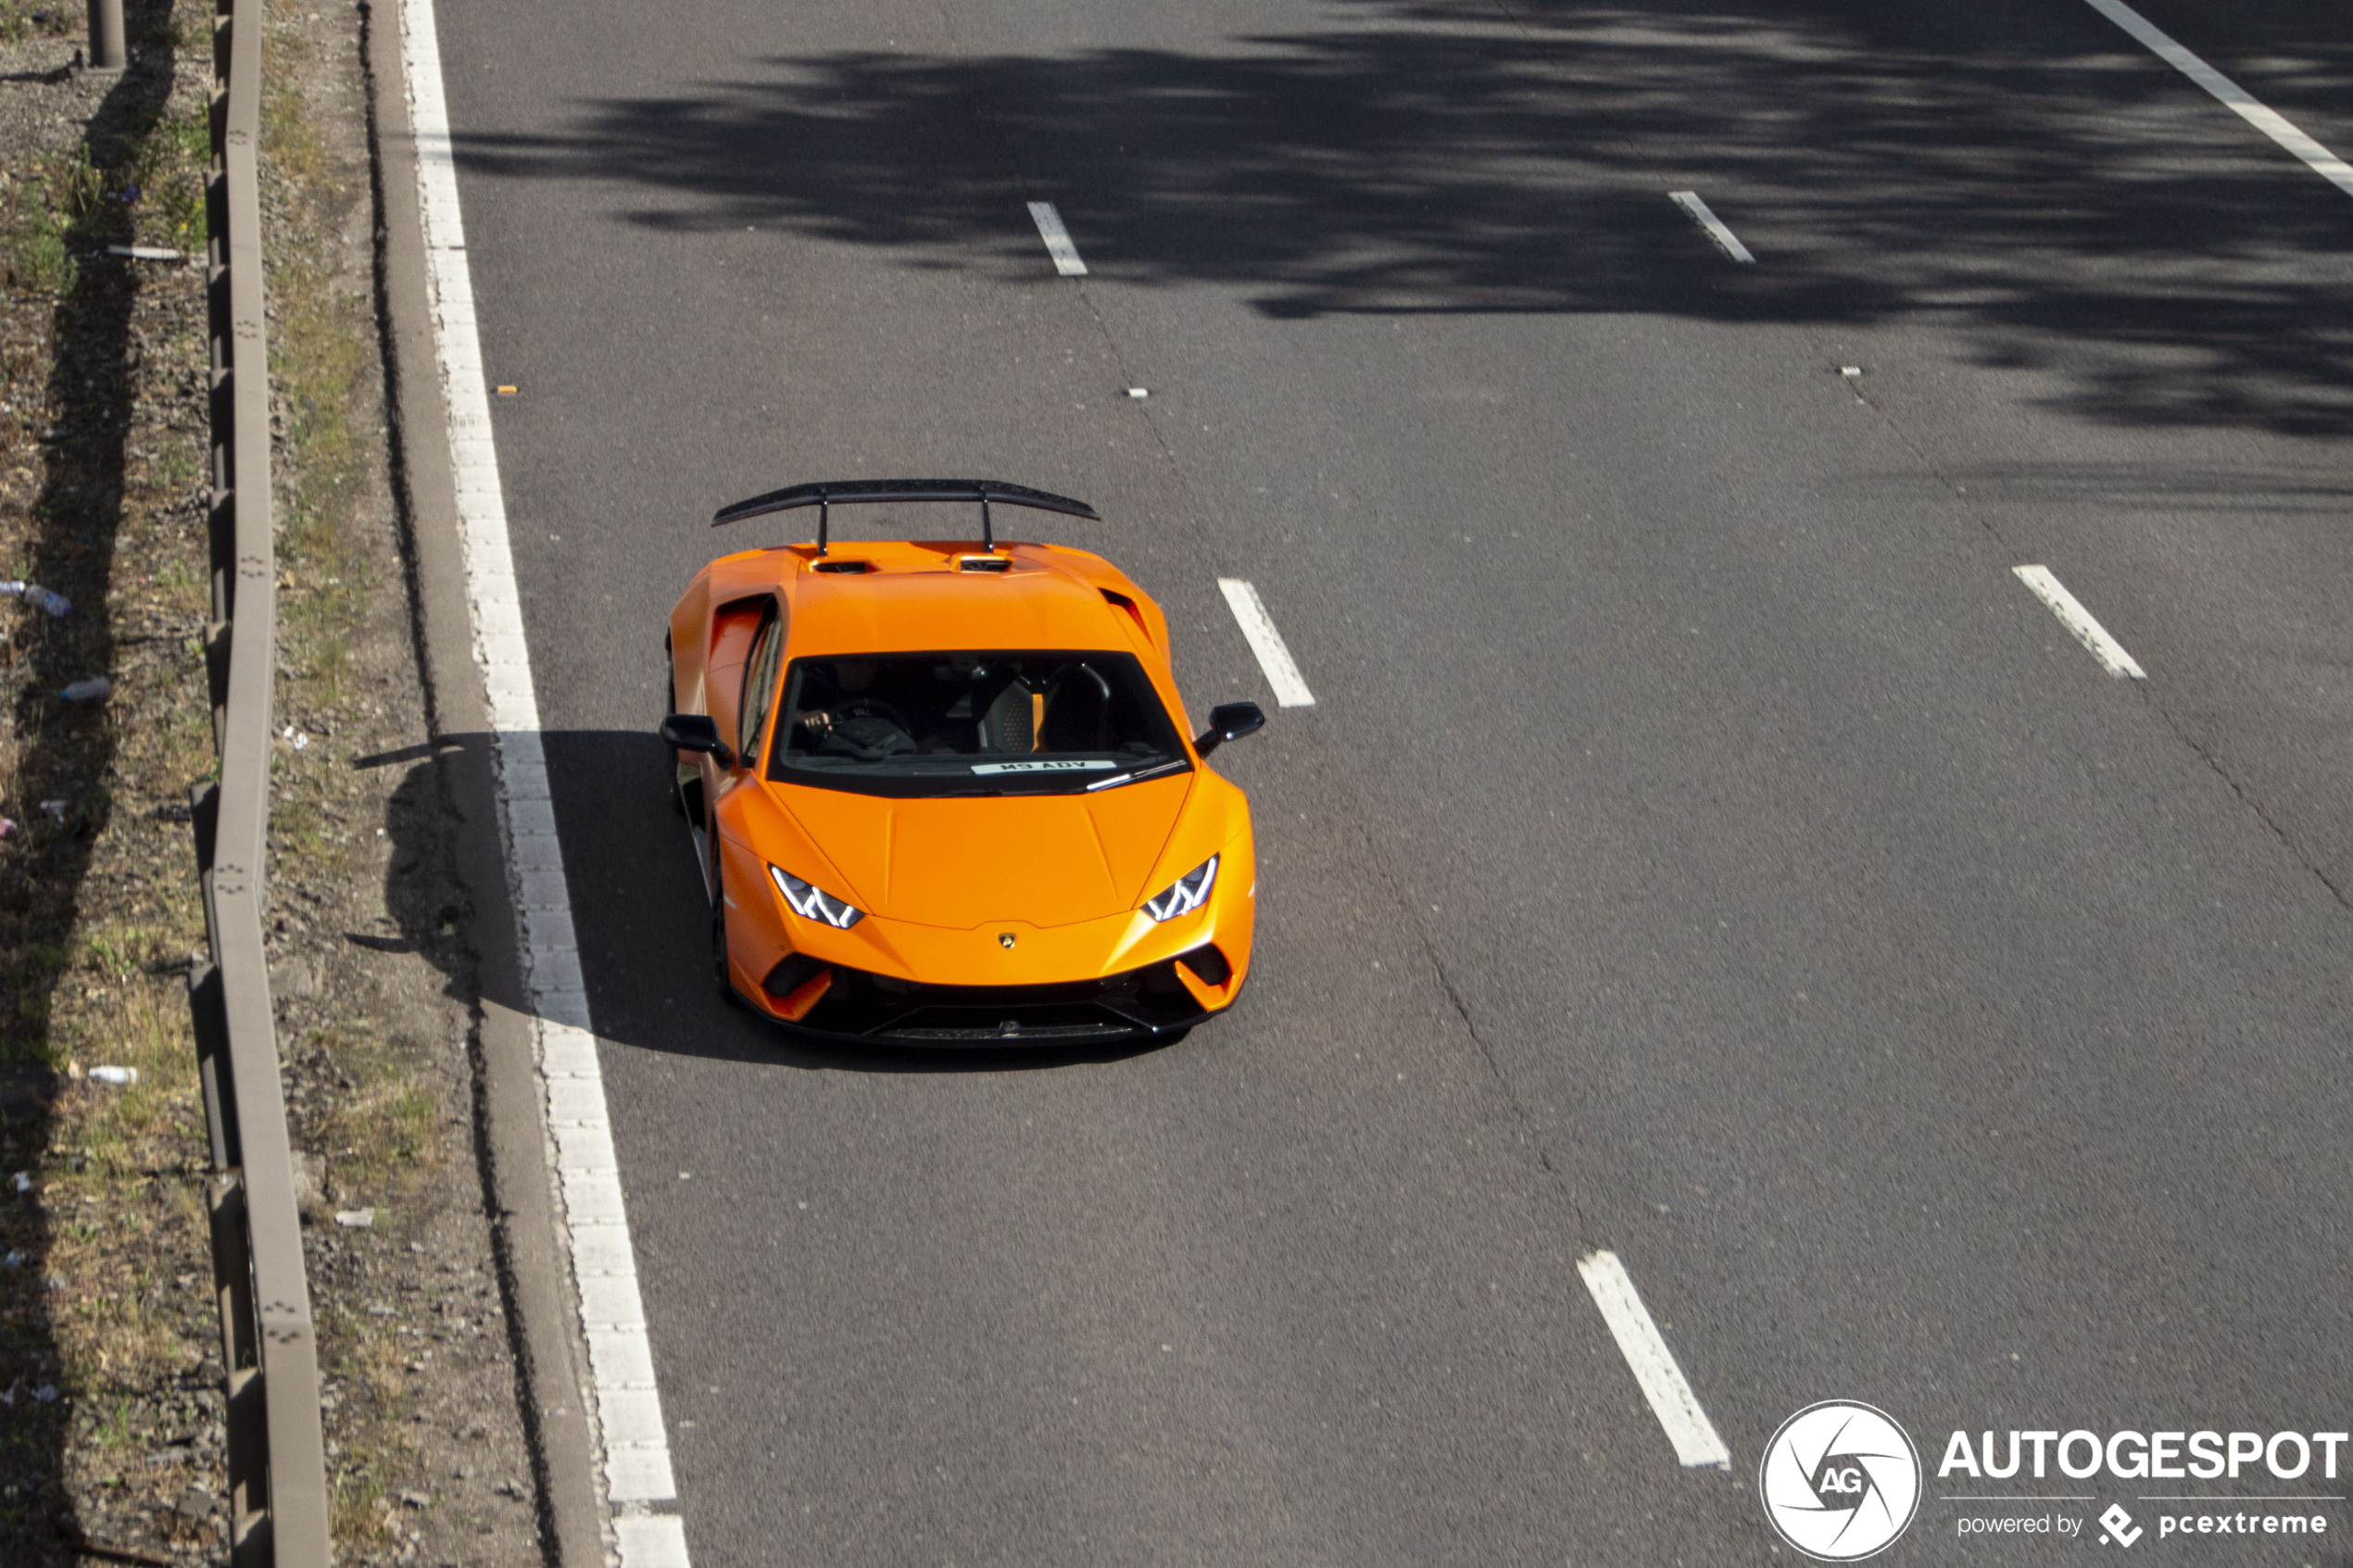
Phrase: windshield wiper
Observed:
(1152, 773)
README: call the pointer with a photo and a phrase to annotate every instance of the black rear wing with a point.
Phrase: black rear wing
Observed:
(825, 495)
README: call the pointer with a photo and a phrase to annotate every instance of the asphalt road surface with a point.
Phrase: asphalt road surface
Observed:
(1701, 845)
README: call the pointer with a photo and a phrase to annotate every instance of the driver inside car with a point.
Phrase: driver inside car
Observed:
(856, 724)
(852, 678)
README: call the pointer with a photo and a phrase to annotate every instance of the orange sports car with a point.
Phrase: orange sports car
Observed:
(943, 795)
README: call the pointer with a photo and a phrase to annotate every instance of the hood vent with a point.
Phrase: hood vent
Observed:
(984, 563)
(1121, 601)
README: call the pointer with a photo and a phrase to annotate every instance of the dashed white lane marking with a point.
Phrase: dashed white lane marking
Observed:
(1678, 1408)
(1258, 630)
(622, 1397)
(2270, 121)
(1731, 243)
(2076, 618)
(1057, 238)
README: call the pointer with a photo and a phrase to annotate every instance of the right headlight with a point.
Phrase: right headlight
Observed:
(812, 902)
(1185, 895)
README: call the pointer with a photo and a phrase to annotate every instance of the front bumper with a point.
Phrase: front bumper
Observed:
(838, 1002)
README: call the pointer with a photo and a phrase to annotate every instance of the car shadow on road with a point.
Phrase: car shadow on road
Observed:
(638, 912)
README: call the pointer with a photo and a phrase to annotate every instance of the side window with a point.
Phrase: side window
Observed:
(759, 682)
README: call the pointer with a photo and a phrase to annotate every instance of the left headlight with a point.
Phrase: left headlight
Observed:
(812, 902)
(1185, 895)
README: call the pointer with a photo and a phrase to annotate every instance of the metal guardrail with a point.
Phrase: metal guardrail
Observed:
(269, 1352)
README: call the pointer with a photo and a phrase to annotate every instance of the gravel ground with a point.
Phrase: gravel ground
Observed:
(111, 1415)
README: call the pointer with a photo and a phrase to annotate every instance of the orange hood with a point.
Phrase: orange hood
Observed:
(1048, 860)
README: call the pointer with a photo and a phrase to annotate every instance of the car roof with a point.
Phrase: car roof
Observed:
(874, 597)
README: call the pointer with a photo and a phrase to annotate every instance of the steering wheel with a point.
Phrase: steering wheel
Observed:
(863, 706)
(867, 728)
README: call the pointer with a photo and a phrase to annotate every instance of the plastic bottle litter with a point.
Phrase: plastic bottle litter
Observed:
(39, 598)
(357, 1219)
(89, 690)
(122, 1077)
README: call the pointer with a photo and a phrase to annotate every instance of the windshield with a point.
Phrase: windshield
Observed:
(971, 722)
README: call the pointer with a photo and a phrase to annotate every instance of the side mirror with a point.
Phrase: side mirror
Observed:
(696, 732)
(1230, 720)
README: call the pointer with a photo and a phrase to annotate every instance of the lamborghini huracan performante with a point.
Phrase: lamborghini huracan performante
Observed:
(943, 794)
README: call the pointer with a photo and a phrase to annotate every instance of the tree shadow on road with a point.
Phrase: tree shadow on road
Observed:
(2064, 202)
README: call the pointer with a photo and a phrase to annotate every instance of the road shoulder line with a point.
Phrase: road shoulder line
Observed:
(2241, 102)
(607, 1340)
(509, 1131)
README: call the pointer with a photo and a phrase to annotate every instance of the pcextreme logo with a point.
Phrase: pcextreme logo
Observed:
(1840, 1481)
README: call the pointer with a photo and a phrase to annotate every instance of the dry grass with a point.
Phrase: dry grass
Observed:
(104, 407)
(378, 1128)
(103, 412)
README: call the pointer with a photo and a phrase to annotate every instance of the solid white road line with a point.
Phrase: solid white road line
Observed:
(2322, 161)
(1258, 628)
(2076, 618)
(1689, 201)
(1678, 1408)
(1057, 238)
(621, 1397)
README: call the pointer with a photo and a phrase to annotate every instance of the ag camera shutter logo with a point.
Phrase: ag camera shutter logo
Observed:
(1840, 1481)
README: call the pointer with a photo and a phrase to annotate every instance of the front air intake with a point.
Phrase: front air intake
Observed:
(1208, 964)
